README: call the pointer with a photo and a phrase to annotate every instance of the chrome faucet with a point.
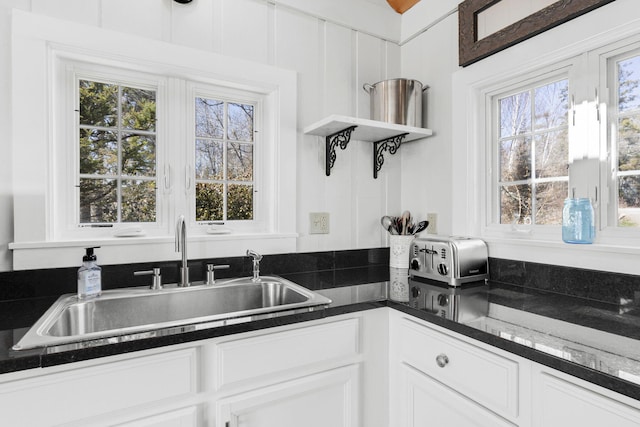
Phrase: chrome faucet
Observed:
(181, 246)
(256, 264)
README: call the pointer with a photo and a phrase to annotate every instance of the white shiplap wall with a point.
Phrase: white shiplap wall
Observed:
(335, 47)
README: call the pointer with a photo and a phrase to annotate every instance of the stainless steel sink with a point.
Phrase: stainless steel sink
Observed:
(127, 311)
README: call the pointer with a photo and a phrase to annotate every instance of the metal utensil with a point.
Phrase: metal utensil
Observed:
(422, 225)
(387, 223)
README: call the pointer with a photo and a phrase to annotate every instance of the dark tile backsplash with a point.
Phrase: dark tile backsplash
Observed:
(28, 284)
(601, 286)
(318, 270)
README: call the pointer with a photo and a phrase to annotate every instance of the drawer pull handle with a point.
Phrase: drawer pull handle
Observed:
(442, 360)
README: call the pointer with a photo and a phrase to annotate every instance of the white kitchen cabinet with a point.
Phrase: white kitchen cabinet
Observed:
(560, 400)
(425, 401)
(376, 368)
(331, 372)
(290, 378)
(309, 373)
(324, 399)
(439, 378)
(87, 395)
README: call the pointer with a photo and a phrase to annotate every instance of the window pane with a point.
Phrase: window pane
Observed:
(240, 122)
(515, 159)
(240, 159)
(515, 204)
(138, 109)
(98, 152)
(98, 103)
(98, 200)
(209, 202)
(138, 201)
(629, 84)
(629, 191)
(209, 118)
(240, 202)
(629, 143)
(139, 155)
(515, 114)
(552, 154)
(551, 105)
(629, 201)
(550, 201)
(209, 159)
(108, 156)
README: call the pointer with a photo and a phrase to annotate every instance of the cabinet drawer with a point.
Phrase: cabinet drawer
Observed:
(485, 377)
(279, 352)
(86, 392)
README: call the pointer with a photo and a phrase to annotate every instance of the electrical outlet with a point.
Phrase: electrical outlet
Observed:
(319, 223)
(433, 223)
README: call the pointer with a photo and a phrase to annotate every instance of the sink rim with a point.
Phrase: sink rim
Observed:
(37, 336)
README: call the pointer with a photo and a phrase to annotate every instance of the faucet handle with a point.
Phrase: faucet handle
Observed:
(157, 278)
(211, 280)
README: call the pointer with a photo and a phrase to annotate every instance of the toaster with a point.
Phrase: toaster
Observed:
(454, 260)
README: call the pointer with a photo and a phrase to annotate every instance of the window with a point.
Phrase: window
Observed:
(625, 119)
(540, 135)
(117, 153)
(532, 143)
(120, 144)
(224, 160)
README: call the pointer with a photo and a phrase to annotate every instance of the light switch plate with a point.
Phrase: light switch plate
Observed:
(433, 223)
(319, 223)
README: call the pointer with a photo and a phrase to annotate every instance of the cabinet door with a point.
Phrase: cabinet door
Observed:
(97, 391)
(486, 377)
(321, 400)
(426, 402)
(561, 401)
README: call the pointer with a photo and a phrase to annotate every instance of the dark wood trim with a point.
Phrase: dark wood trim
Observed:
(471, 49)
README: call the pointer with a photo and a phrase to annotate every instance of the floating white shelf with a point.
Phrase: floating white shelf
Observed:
(339, 130)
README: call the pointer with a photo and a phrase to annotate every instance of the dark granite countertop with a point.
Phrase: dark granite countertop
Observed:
(517, 323)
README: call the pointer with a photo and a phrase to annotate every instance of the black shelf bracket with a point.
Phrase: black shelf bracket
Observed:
(379, 147)
(341, 139)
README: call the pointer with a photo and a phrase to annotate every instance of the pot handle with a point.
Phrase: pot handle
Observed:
(425, 88)
(367, 87)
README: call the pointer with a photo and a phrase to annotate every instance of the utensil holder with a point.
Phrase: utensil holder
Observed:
(399, 250)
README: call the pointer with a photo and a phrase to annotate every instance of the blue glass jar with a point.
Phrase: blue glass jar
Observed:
(578, 222)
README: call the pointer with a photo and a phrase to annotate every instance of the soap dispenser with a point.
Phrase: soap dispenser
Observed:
(89, 276)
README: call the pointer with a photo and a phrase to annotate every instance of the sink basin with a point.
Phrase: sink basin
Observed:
(133, 310)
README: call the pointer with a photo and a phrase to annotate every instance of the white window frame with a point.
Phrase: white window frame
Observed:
(261, 145)
(499, 90)
(605, 59)
(175, 162)
(40, 45)
(614, 250)
(64, 204)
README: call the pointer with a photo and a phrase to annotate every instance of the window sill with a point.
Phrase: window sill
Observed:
(596, 256)
(124, 250)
